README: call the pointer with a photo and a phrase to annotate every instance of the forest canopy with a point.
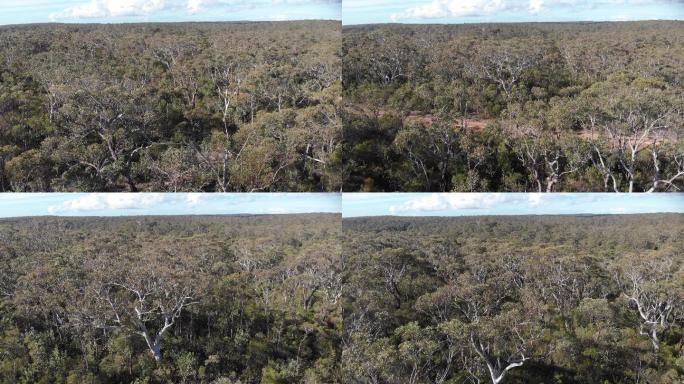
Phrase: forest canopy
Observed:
(170, 107)
(312, 106)
(537, 107)
(204, 299)
(524, 299)
(320, 299)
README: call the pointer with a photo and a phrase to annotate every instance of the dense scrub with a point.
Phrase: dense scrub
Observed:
(284, 299)
(552, 299)
(514, 107)
(170, 107)
(233, 299)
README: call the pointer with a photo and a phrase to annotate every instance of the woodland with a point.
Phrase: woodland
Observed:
(203, 299)
(385, 300)
(537, 107)
(312, 106)
(224, 107)
(522, 299)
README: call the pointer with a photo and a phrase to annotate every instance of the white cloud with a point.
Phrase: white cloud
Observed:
(119, 8)
(438, 202)
(115, 8)
(100, 201)
(534, 200)
(535, 6)
(446, 201)
(195, 6)
(474, 8)
(453, 8)
(433, 202)
(195, 199)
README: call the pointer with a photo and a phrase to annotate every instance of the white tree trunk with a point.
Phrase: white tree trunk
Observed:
(496, 373)
(154, 345)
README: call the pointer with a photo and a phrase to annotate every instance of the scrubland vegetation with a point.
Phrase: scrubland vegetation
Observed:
(305, 106)
(251, 299)
(317, 299)
(170, 107)
(551, 299)
(514, 107)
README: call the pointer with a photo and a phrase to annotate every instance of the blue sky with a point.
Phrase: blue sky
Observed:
(140, 204)
(351, 11)
(350, 204)
(481, 11)
(124, 11)
(475, 204)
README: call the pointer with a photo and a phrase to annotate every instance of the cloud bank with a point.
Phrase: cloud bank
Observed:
(434, 9)
(453, 8)
(442, 201)
(122, 8)
(115, 8)
(478, 204)
(122, 204)
(101, 201)
(136, 201)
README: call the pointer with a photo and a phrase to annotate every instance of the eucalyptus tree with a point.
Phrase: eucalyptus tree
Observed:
(135, 291)
(108, 130)
(652, 286)
(431, 151)
(634, 117)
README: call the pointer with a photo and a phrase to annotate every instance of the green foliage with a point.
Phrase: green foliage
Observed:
(592, 87)
(265, 299)
(438, 299)
(175, 107)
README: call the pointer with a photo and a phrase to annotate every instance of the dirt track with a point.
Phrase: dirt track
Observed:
(475, 123)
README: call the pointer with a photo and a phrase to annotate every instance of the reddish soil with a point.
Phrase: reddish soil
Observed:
(475, 124)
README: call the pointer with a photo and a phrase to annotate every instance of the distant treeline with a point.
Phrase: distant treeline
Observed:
(552, 299)
(514, 107)
(170, 107)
